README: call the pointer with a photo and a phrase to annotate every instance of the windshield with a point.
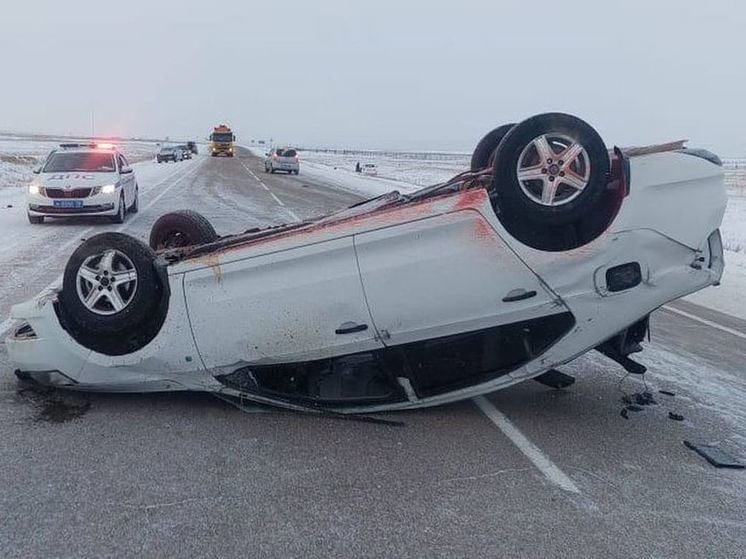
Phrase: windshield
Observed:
(222, 137)
(81, 161)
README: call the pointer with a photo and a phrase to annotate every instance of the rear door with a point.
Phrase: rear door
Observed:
(295, 305)
(456, 299)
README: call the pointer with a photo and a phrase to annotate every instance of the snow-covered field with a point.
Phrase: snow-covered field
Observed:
(408, 171)
(19, 154)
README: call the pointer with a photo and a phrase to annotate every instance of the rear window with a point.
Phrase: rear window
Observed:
(81, 161)
(289, 153)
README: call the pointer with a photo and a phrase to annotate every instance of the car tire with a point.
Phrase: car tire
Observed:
(181, 228)
(135, 207)
(35, 219)
(121, 211)
(113, 324)
(484, 154)
(530, 179)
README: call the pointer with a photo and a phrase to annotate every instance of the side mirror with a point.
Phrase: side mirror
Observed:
(126, 170)
(37, 170)
(234, 137)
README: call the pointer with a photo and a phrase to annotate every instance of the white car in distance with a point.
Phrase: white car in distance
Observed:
(83, 180)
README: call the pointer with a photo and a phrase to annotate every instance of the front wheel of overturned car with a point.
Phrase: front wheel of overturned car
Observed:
(181, 228)
(114, 298)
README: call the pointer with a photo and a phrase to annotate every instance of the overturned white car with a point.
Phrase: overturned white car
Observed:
(549, 247)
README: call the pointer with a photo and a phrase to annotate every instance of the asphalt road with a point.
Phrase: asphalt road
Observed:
(528, 471)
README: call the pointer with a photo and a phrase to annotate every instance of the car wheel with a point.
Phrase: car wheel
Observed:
(181, 228)
(135, 207)
(35, 219)
(113, 298)
(121, 211)
(550, 169)
(484, 154)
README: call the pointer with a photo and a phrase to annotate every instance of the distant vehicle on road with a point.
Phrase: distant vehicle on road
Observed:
(83, 179)
(169, 153)
(370, 169)
(221, 141)
(192, 146)
(282, 159)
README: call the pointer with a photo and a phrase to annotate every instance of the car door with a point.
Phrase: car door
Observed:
(456, 299)
(293, 305)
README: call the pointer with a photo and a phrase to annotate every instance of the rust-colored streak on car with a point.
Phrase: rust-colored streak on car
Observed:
(382, 217)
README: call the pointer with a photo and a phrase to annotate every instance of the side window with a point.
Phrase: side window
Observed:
(121, 162)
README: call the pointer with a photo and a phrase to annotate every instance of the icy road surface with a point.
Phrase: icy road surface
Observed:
(530, 471)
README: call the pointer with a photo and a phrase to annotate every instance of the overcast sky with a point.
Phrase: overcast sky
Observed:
(380, 74)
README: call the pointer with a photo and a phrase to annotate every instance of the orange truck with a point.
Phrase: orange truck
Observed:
(221, 141)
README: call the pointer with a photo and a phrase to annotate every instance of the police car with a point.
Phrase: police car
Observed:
(83, 179)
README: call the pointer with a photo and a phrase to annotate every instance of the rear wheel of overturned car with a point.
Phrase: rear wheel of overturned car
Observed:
(484, 154)
(113, 298)
(181, 228)
(550, 174)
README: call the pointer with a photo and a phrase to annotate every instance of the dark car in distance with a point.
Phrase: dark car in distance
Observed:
(170, 153)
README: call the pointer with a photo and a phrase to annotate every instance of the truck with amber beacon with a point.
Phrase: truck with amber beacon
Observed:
(221, 141)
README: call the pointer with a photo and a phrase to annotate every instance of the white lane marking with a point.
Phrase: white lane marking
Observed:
(710, 323)
(529, 449)
(7, 324)
(265, 187)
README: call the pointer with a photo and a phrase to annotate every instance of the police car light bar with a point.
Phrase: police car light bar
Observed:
(90, 146)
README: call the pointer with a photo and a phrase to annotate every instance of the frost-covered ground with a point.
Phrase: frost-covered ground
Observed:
(19, 154)
(418, 169)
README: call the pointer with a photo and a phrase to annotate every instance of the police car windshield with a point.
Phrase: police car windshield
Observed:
(89, 162)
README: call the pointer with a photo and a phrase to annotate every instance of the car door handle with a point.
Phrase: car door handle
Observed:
(518, 295)
(350, 328)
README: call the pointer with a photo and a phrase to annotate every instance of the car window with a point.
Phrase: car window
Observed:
(289, 153)
(61, 162)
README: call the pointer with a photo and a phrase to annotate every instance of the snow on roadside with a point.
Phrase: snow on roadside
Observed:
(20, 154)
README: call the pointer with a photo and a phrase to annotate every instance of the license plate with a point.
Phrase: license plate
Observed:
(68, 203)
